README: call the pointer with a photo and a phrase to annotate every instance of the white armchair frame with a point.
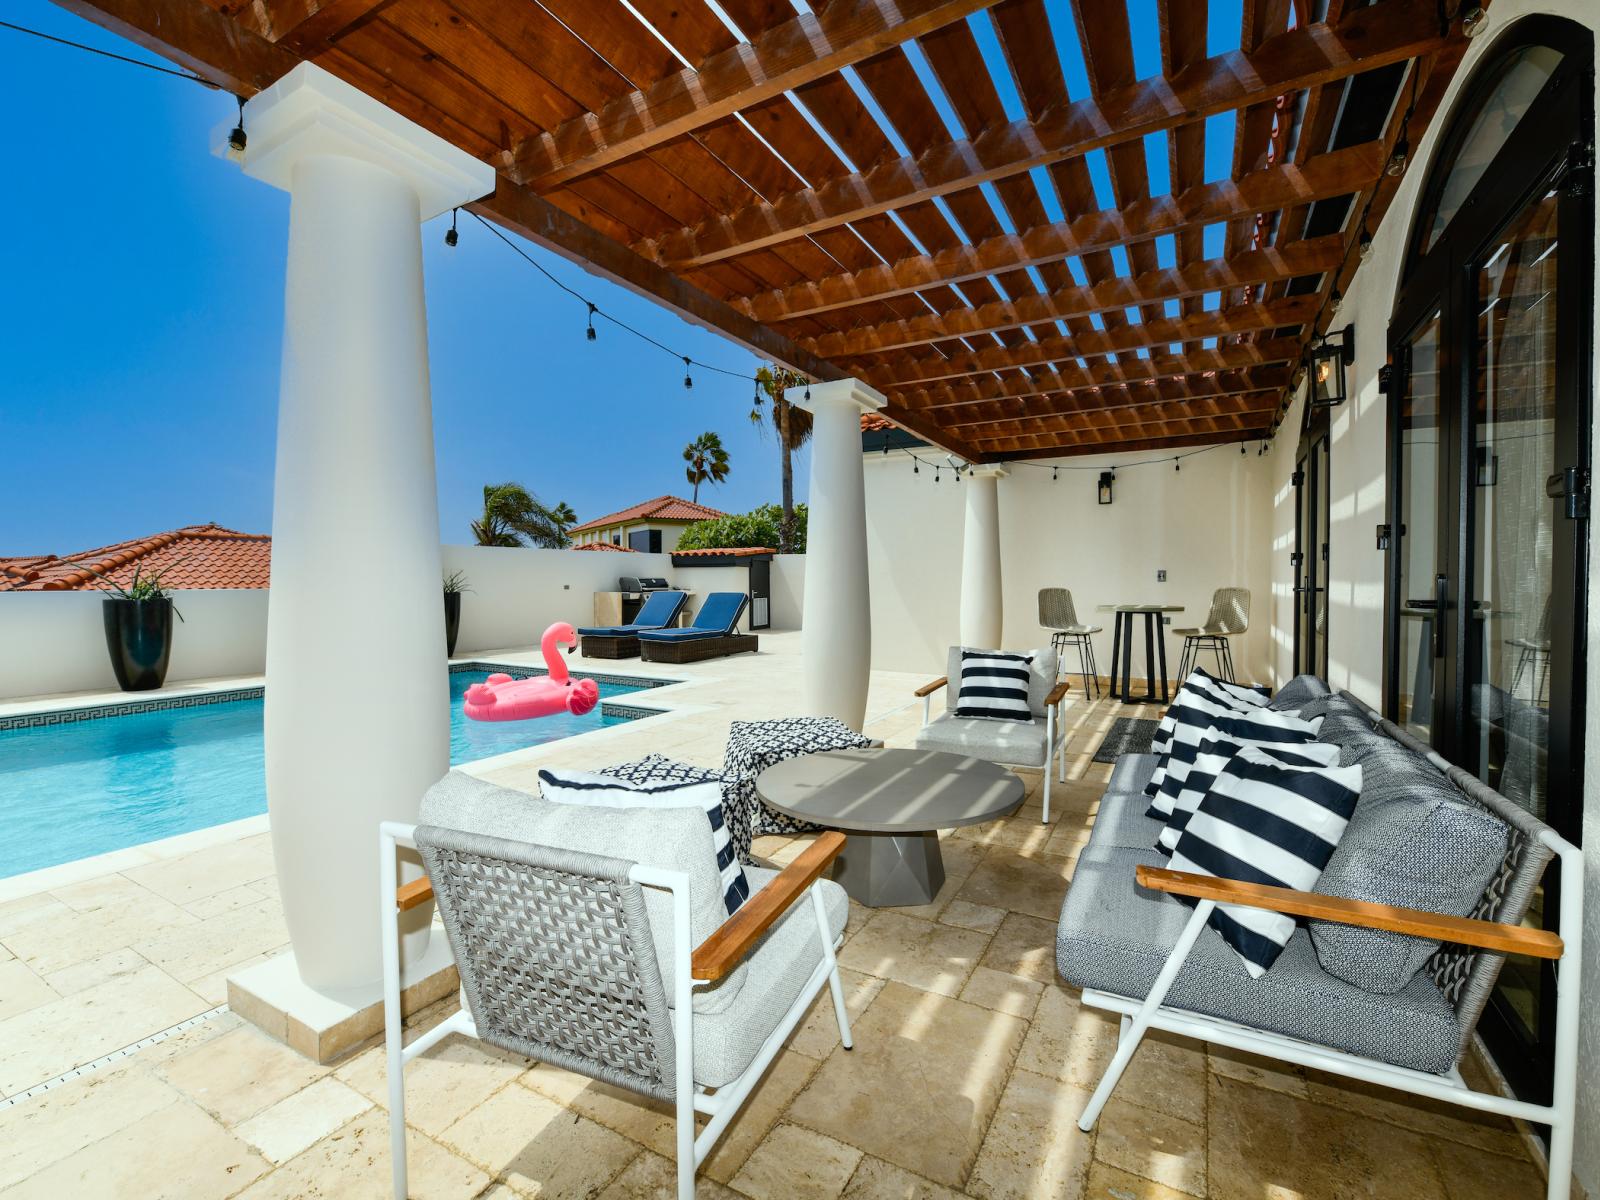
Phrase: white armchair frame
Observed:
(1054, 731)
(692, 966)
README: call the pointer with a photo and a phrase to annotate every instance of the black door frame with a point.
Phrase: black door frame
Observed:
(1313, 466)
(1551, 149)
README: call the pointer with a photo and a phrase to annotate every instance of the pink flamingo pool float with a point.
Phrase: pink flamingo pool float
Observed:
(502, 698)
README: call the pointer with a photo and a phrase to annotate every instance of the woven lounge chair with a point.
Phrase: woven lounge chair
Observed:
(660, 611)
(607, 967)
(713, 634)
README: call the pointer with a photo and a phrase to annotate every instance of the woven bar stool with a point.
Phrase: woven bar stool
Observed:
(1229, 618)
(1057, 614)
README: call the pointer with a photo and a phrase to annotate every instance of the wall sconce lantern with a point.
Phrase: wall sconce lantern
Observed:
(1106, 480)
(1331, 356)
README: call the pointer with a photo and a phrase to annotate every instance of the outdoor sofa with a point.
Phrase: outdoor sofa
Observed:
(714, 633)
(659, 611)
(1125, 938)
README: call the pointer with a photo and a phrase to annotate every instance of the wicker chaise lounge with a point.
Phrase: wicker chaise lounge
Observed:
(714, 633)
(660, 610)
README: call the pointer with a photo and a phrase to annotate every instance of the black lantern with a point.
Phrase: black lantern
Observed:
(1330, 357)
(1106, 480)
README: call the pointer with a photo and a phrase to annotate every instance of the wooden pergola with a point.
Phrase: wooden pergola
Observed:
(660, 148)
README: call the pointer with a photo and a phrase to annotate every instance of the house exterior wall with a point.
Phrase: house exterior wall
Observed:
(670, 533)
(1358, 466)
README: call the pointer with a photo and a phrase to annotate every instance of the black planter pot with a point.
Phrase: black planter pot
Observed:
(452, 622)
(139, 638)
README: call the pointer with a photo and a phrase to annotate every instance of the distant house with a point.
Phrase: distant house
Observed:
(196, 556)
(653, 526)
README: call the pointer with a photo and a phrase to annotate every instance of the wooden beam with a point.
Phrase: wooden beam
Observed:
(195, 36)
(308, 27)
(1156, 422)
(1386, 32)
(1338, 173)
(955, 402)
(787, 56)
(1065, 406)
(1150, 289)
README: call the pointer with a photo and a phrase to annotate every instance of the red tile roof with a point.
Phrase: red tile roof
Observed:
(604, 546)
(662, 508)
(732, 552)
(197, 556)
(872, 422)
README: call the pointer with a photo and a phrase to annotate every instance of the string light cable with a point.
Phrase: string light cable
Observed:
(122, 58)
(918, 462)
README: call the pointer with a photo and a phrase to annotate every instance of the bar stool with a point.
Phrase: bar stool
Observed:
(1534, 650)
(1229, 617)
(1057, 614)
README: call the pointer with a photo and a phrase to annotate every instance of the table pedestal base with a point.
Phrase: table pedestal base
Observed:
(887, 870)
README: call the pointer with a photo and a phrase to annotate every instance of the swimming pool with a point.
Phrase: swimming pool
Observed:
(87, 783)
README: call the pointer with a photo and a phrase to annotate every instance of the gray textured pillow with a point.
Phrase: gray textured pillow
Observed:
(1296, 692)
(1415, 841)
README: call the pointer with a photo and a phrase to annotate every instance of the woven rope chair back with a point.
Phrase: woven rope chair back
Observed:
(1465, 975)
(555, 956)
(1055, 608)
(1230, 610)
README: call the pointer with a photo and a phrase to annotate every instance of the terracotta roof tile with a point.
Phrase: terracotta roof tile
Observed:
(605, 546)
(196, 556)
(731, 552)
(872, 422)
(662, 508)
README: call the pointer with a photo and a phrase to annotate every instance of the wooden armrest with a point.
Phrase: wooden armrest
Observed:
(720, 953)
(1057, 694)
(929, 689)
(1464, 931)
(408, 895)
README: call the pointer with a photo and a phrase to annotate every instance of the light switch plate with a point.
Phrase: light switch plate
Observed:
(1161, 576)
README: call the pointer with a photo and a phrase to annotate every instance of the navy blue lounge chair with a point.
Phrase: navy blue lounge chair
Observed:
(660, 610)
(714, 633)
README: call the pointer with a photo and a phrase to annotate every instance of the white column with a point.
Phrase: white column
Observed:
(981, 615)
(836, 628)
(357, 692)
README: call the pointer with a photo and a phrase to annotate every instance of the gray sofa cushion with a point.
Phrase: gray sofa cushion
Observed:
(726, 1041)
(1296, 692)
(1120, 821)
(1114, 936)
(1414, 841)
(1042, 675)
(1131, 772)
(1015, 743)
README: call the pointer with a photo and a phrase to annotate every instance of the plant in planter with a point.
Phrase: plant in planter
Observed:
(138, 624)
(455, 583)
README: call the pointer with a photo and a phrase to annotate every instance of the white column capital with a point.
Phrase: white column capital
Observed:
(311, 113)
(989, 470)
(850, 392)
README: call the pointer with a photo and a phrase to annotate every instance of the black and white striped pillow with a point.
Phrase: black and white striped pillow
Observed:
(1242, 693)
(1203, 687)
(1201, 715)
(1268, 823)
(607, 791)
(994, 685)
(1216, 750)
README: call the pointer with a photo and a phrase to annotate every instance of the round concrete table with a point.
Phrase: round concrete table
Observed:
(891, 804)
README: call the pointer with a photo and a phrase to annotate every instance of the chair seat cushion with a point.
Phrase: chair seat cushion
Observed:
(1114, 936)
(1080, 629)
(1121, 822)
(1131, 772)
(726, 1041)
(1015, 743)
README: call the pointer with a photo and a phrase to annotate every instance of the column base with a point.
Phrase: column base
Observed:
(325, 1027)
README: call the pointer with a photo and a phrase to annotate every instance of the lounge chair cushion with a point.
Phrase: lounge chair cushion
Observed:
(1042, 676)
(1013, 743)
(1114, 936)
(674, 839)
(1297, 692)
(1131, 772)
(726, 1041)
(1121, 821)
(689, 634)
(659, 610)
(721, 612)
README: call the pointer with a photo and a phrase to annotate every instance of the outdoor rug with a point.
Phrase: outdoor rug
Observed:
(1127, 735)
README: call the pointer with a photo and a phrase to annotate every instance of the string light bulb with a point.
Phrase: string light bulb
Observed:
(688, 379)
(451, 237)
(1398, 158)
(589, 333)
(1338, 300)
(1177, 465)
(916, 468)
(237, 139)
(1364, 245)
(1472, 22)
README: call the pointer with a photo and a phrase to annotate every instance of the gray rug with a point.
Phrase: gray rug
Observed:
(1127, 735)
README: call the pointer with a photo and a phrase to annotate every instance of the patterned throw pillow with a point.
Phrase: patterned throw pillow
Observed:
(1268, 823)
(1194, 720)
(658, 768)
(1215, 752)
(607, 791)
(753, 746)
(994, 686)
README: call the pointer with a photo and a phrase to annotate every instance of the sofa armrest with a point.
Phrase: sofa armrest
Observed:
(409, 895)
(720, 953)
(1464, 931)
(929, 689)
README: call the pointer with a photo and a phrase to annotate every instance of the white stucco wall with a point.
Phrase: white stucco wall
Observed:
(1207, 526)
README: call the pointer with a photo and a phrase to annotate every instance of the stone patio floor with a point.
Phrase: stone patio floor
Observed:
(972, 1060)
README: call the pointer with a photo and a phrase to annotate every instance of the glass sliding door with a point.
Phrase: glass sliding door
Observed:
(1415, 534)
(1310, 558)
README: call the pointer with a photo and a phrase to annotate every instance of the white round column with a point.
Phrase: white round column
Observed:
(836, 628)
(982, 619)
(357, 690)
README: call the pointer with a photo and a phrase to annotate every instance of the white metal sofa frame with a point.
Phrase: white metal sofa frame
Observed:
(657, 1042)
(1565, 947)
(1055, 734)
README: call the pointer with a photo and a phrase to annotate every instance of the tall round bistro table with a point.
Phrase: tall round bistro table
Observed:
(891, 805)
(1155, 648)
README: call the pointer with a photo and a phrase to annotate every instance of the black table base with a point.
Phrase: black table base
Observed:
(1155, 657)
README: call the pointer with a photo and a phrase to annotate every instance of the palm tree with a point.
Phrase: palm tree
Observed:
(513, 516)
(708, 462)
(794, 430)
(564, 519)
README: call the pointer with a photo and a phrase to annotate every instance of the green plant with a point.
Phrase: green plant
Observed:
(513, 516)
(456, 582)
(140, 587)
(793, 426)
(708, 462)
(759, 527)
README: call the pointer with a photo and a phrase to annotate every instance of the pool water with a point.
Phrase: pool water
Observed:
(87, 787)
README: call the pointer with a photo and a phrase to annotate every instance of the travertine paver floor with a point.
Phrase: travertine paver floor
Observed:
(971, 1063)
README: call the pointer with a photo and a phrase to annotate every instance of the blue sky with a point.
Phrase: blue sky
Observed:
(141, 325)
